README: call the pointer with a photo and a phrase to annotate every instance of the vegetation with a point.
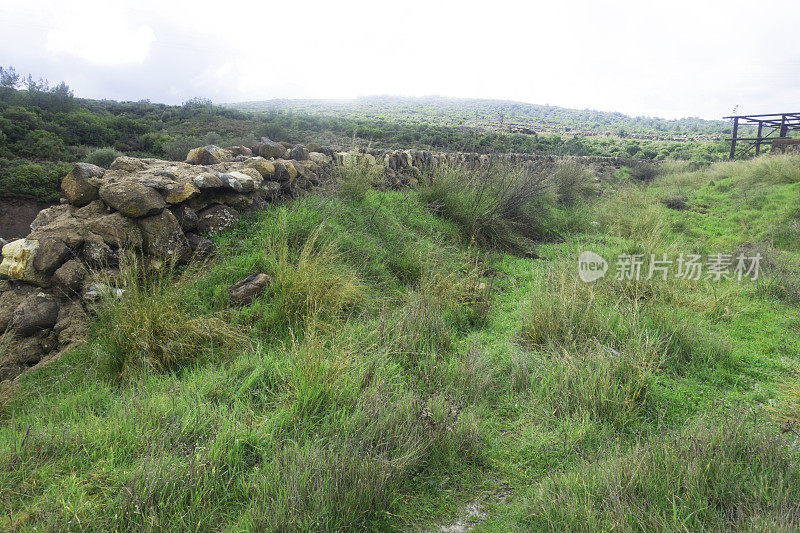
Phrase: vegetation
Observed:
(406, 364)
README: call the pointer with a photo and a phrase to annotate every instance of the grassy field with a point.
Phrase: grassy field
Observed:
(429, 358)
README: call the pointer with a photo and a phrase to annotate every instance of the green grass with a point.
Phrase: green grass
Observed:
(400, 367)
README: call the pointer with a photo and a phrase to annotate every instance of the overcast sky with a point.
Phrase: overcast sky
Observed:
(671, 58)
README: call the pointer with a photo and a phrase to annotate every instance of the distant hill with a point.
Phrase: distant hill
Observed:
(499, 115)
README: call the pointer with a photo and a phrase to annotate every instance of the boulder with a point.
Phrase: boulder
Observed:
(68, 279)
(240, 150)
(186, 217)
(216, 218)
(72, 324)
(201, 246)
(127, 164)
(9, 301)
(76, 184)
(98, 254)
(28, 351)
(18, 262)
(163, 237)
(270, 150)
(229, 181)
(264, 167)
(248, 180)
(132, 199)
(313, 147)
(116, 230)
(299, 153)
(320, 158)
(37, 312)
(207, 180)
(52, 253)
(177, 193)
(208, 155)
(242, 292)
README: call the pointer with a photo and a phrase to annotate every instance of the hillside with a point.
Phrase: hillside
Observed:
(429, 358)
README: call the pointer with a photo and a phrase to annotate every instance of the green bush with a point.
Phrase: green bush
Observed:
(102, 157)
(41, 180)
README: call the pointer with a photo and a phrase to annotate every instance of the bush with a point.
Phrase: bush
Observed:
(355, 178)
(644, 171)
(41, 180)
(572, 181)
(500, 205)
(102, 157)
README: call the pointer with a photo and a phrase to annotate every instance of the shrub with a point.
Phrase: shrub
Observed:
(572, 181)
(40, 180)
(499, 205)
(677, 203)
(355, 177)
(102, 157)
(644, 171)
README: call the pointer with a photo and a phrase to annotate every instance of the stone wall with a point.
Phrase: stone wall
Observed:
(163, 211)
(785, 146)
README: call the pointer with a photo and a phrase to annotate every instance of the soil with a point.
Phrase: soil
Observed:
(16, 215)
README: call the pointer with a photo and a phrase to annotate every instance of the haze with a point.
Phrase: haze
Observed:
(669, 59)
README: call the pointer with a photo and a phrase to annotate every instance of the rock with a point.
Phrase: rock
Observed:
(76, 184)
(68, 279)
(264, 167)
(98, 254)
(230, 182)
(299, 153)
(52, 253)
(37, 312)
(208, 155)
(208, 180)
(320, 158)
(47, 216)
(290, 171)
(178, 193)
(163, 238)
(127, 164)
(29, 351)
(313, 147)
(240, 151)
(96, 290)
(72, 324)
(48, 341)
(132, 199)
(269, 149)
(239, 202)
(186, 217)
(116, 230)
(216, 218)
(201, 246)
(243, 291)
(271, 189)
(9, 301)
(243, 182)
(18, 262)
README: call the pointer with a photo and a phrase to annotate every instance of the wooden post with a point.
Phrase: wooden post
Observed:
(784, 129)
(733, 136)
(758, 141)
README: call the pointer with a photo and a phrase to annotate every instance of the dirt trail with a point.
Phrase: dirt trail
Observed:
(16, 215)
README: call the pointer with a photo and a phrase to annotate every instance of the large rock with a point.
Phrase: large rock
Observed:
(299, 153)
(240, 150)
(37, 312)
(76, 184)
(313, 147)
(68, 279)
(132, 199)
(216, 218)
(18, 262)
(128, 164)
(177, 193)
(163, 237)
(72, 324)
(320, 158)
(201, 246)
(269, 149)
(248, 180)
(98, 254)
(208, 155)
(10, 300)
(52, 253)
(186, 216)
(243, 291)
(116, 230)
(264, 167)
(208, 180)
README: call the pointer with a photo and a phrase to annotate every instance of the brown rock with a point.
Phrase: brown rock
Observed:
(127, 164)
(116, 230)
(208, 155)
(186, 217)
(243, 291)
(68, 279)
(132, 199)
(201, 246)
(36, 312)
(76, 185)
(51, 254)
(163, 237)
(216, 218)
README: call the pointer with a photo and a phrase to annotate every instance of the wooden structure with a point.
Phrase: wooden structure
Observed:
(770, 127)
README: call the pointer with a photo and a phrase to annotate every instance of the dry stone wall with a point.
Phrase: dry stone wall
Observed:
(163, 211)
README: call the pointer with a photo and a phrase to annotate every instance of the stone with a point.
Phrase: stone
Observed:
(208, 155)
(96, 290)
(243, 291)
(243, 182)
(201, 246)
(186, 217)
(240, 151)
(313, 147)
(116, 230)
(127, 164)
(68, 279)
(18, 262)
(9, 301)
(216, 218)
(271, 189)
(52, 253)
(37, 312)
(98, 254)
(178, 193)
(230, 182)
(76, 184)
(163, 238)
(264, 167)
(72, 324)
(290, 171)
(299, 153)
(208, 180)
(270, 150)
(132, 199)
(320, 158)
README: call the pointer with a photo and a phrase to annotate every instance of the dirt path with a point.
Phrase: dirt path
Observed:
(16, 215)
